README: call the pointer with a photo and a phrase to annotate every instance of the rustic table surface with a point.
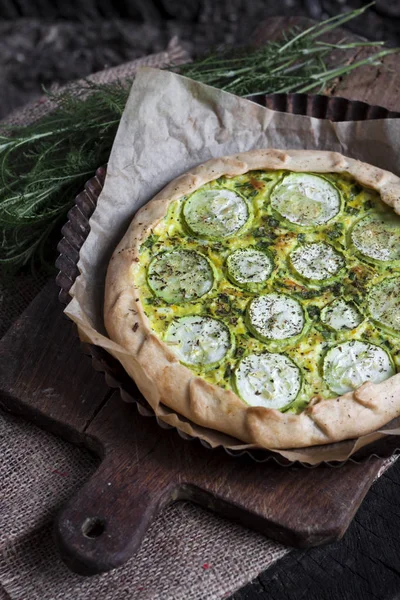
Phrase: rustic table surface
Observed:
(365, 564)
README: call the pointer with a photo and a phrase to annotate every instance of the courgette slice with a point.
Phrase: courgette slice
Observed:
(275, 317)
(384, 304)
(340, 315)
(306, 200)
(249, 268)
(180, 276)
(271, 380)
(197, 340)
(347, 366)
(215, 214)
(377, 238)
(316, 262)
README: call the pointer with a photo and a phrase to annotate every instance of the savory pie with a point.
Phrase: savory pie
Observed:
(259, 295)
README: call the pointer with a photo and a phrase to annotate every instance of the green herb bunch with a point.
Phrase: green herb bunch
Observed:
(44, 165)
(296, 63)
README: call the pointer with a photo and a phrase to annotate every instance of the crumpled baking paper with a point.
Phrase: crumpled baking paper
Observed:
(171, 124)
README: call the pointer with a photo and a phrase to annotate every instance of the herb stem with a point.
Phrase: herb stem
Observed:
(44, 165)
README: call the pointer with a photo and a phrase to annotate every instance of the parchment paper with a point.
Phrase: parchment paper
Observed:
(170, 125)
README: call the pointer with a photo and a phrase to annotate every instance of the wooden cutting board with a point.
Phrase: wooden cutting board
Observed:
(45, 377)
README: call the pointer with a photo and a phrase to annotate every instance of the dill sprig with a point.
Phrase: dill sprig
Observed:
(296, 63)
(44, 165)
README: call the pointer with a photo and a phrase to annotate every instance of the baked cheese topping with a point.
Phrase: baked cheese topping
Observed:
(270, 380)
(306, 200)
(378, 237)
(384, 304)
(199, 340)
(341, 315)
(275, 317)
(180, 276)
(317, 261)
(249, 267)
(215, 214)
(349, 365)
(279, 286)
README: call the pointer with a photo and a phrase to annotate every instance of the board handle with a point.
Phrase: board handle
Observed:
(103, 524)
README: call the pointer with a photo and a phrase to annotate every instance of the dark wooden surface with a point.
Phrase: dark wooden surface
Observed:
(365, 564)
(45, 377)
(42, 368)
(37, 376)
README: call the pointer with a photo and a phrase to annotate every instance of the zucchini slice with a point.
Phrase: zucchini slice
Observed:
(384, 304)
(270, 380)
(198, 340)
(180, 276)
(275, 317)
(340, 315)
(249, 268)
(316, 262)
(306, 200)
(347, 366)
(215, 214)
(377, 237)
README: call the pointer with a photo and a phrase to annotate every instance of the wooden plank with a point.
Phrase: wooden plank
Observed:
(365, 565)
(146, 467)
(44, 375)
(376, 85)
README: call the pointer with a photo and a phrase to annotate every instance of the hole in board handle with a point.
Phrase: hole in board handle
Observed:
(93, 527)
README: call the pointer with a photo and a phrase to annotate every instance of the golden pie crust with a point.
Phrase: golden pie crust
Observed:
(157, 371)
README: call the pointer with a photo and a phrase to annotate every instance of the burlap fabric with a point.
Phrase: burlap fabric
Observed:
(188, 553)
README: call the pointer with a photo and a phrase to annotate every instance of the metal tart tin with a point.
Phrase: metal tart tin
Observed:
(77, 228)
